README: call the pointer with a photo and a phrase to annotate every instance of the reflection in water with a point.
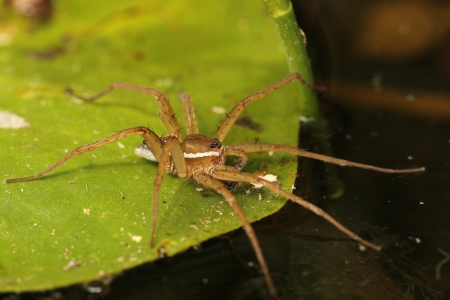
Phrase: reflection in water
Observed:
(323, 267)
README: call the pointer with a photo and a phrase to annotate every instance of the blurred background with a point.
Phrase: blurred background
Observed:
(386, 69)
(386, 66)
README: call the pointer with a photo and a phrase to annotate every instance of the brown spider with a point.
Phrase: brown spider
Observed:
(203, 158)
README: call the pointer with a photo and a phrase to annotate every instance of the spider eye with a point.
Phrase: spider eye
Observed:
(215, 144)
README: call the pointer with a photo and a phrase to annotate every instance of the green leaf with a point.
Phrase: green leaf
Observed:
(92, 216)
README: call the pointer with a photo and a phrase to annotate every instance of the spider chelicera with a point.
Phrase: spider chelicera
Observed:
(203, 158)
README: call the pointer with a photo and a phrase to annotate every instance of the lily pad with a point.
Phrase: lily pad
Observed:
(91, 217)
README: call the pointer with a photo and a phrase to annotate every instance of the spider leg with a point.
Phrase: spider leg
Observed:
(238, 152)
(231, 117)
(150, 137)
(218, 186)
(266, 147)
(190, 121)
(238, 166)
(166, 114)
(246, 177)
(172, 146)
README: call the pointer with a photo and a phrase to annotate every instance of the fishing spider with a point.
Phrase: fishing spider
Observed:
(203, 158)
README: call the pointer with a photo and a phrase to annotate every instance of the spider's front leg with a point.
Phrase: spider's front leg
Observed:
(239, 165)
(270, 147)
(236, 111)
(150, 137)
(243, 158)
(171, 146)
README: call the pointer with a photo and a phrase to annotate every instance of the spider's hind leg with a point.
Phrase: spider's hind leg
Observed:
(219, 187)
(254, 179)
(190, 120)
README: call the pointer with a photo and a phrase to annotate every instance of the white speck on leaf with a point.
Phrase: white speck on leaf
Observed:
(268, 177)
(8, 120)
(136, 238)
(218, 110)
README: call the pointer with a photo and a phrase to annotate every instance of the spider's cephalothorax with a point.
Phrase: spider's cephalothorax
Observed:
(201, 154)
(204, 158)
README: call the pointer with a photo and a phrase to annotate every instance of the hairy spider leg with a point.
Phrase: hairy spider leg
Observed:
(243, 157)
(266, 147)
(218, 186)
(166, 114)
(235, 112)
(150, 137)
(170, 146)
(246, 177)
(239, 165)
(190, 120)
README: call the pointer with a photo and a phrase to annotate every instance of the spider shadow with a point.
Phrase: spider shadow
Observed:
(106, 167)
(136, 106)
